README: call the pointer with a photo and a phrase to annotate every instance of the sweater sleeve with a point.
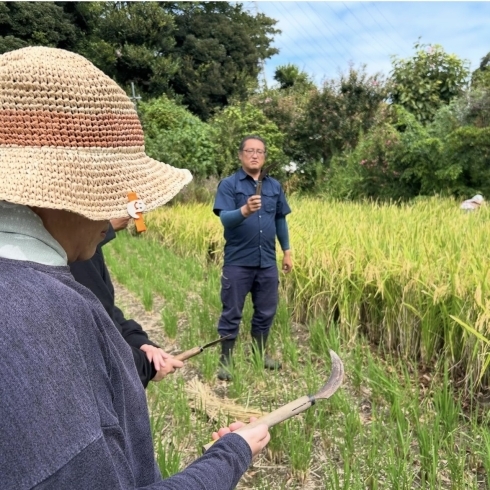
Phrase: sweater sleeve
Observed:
(282, 232)
(231, 219)
(220, 468)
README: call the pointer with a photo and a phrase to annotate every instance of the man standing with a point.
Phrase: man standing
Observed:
(251, 221)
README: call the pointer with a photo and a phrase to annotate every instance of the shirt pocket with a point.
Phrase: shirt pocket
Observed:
(269, 200)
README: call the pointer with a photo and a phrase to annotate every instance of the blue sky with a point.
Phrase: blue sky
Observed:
(322, 38)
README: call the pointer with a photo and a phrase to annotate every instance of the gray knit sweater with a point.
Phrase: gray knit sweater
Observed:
(73, 412)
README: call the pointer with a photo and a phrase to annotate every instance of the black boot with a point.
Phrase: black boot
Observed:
(258, 345)
(225, 360)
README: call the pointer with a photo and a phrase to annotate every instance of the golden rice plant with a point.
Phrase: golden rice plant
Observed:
(398, 274)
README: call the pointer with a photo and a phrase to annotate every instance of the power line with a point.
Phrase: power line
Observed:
(382, 29)
(389, 23)
(322, 68)
(351, 28)
(308, 35)
(363, 26)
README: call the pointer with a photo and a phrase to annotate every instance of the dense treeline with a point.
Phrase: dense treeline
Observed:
(422, 130)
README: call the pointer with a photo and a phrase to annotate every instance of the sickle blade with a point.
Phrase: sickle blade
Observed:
(335, 379)
(217, 341)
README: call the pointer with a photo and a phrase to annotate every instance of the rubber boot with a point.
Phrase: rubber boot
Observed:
(225, 360)
(258, 345)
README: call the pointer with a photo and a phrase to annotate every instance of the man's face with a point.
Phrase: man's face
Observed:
(252, 156)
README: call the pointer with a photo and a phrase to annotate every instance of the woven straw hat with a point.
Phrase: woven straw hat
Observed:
(70, 139)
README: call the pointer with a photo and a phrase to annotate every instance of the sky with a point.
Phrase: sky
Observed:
(324, 38)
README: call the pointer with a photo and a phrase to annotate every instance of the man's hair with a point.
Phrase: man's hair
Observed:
(251, 137)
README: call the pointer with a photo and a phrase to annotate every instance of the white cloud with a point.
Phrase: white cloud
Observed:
(322, 38)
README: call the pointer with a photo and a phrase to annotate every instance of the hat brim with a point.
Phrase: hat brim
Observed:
(93, 182)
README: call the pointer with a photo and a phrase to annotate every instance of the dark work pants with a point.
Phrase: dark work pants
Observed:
(236, 283)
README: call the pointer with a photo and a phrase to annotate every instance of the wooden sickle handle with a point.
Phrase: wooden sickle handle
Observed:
(283, 413)
(188, 353)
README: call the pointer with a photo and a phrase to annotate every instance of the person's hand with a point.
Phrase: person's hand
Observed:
(120, 223)
(253, 204)
(164, 363)
(256, 437)
(287, 263)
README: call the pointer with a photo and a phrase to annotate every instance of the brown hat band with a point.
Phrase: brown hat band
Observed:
(67, 129)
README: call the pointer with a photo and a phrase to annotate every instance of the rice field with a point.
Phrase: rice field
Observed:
(412, 279)
(399, 292)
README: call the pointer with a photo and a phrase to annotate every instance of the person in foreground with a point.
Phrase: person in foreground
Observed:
(73, 412)
(251, 223)
(152, 362)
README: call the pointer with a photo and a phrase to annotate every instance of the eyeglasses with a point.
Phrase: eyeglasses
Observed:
(250, 152)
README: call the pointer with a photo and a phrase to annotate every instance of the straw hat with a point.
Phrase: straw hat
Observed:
(70, 139)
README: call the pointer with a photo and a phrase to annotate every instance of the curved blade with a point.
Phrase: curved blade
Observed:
(217, 341)
(335, 379)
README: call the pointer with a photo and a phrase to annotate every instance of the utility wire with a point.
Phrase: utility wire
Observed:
(356, 32)
(389, 23)
(305, 67)
(308, 36)
(363, 27)
(326, 25)
(382, 29)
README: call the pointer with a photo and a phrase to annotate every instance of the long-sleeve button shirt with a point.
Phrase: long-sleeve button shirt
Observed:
(251, 242)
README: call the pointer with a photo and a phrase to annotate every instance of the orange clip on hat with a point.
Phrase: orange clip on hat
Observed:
(135, 210)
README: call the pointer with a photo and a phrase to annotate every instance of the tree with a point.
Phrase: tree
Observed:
(219, 47)
(35, 24)
(480, 78)
(428, 80)
(290, 75)
(175, 136)
(129, 41)
(334, 119)
(204, 53)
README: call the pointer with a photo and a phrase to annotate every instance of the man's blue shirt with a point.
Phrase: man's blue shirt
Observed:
(252, 243)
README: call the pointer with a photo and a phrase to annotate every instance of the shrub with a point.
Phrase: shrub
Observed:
(174, 136)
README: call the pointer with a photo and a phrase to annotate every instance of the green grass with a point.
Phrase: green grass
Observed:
(393, 425)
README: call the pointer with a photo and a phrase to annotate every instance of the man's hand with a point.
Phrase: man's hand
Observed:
(256, 437)
(287, 263)
(253, 204)
(120, 223)
(164, 363)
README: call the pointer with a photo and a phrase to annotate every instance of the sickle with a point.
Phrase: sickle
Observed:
(301, 404)
(263, 173)
(197, 350)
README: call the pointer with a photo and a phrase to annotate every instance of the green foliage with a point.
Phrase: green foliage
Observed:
(236, 122)
(175, 136)
(368, 170)
(286, 107)
(426, 81)
(473, 108)
(35, 24)
(290, 75)
(205, 53)
(334, 118)
(467, 153)
(219, 46)
(480, 78)
(402, 159)
(130, 42)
